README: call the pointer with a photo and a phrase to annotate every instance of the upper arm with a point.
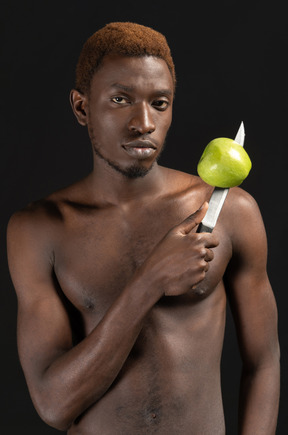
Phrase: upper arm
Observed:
(248, 287)
(43, 329)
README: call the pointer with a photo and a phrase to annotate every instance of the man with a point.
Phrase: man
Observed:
(121, 302)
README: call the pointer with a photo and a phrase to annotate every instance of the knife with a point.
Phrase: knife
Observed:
(218, 196)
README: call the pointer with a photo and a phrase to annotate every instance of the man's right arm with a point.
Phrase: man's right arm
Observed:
(64, 380)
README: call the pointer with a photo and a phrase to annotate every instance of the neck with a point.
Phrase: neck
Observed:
(114, 187)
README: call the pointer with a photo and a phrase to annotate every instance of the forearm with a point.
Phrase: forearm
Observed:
(81, 376)
(259, 400)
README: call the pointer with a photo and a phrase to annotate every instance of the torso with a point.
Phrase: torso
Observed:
(170, 384)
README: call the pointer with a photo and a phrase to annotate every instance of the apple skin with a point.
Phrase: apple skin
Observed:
(224, 163)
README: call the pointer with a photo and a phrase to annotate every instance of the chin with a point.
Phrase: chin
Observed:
(133, 172)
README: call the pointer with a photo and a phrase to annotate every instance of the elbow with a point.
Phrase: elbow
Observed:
(53, 413)
(55, 419)
(269, 364)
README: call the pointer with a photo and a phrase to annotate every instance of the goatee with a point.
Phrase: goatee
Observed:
(134, 171)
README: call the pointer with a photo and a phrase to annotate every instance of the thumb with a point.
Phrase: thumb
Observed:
(194, 219)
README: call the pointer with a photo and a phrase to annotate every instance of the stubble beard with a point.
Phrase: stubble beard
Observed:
(132, 172)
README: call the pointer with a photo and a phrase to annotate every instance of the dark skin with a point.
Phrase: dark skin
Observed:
(121, 302)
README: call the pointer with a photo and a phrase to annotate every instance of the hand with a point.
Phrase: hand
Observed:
(181, 259)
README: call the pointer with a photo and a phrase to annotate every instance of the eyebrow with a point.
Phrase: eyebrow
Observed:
(125, 88)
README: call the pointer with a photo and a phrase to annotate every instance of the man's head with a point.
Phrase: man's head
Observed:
(125, 83)
(124, 39)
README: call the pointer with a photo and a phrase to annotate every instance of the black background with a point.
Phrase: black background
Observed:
(231, 65)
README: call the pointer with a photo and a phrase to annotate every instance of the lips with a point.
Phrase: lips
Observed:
(140, 149)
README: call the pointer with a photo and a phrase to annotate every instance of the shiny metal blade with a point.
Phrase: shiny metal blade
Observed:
(240, 136)
(219, 195)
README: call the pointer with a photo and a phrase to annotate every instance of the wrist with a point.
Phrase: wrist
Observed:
(144, 285)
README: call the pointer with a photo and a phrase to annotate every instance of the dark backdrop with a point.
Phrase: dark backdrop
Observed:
(231, 64)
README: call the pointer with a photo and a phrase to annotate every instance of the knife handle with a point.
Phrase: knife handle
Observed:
(203, 229)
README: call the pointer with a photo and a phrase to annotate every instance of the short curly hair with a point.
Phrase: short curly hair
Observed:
(123, 38)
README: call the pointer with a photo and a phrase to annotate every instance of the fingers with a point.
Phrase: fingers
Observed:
(209, 255)
(207, 240)
(194, 219)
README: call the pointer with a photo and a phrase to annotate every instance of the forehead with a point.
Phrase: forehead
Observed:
(145, 72)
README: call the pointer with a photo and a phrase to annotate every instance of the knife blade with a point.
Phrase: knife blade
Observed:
(218, 196)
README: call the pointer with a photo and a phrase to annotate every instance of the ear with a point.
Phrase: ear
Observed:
(79, 103)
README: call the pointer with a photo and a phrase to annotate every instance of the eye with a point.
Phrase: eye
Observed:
(119, 100)
(160, 104)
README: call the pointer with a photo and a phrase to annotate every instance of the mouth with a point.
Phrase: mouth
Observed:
(140, 149)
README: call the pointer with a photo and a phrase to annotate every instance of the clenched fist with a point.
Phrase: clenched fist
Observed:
(181, 259)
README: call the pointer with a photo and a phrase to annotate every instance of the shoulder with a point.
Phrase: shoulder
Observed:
(34, 216)
(39, 222)
(45, 212)
(241, 197)
(242, 221)
(31, 235)
(242, 209)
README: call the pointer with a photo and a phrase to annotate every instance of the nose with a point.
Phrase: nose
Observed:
(142, 120)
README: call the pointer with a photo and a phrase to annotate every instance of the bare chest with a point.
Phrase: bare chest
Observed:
(97, 254)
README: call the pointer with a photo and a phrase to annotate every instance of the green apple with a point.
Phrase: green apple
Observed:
(224, 163)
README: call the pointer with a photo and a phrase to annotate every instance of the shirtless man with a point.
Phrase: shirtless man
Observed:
(121, 302)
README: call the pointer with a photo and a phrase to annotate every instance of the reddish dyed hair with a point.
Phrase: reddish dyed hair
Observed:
(123, 38)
